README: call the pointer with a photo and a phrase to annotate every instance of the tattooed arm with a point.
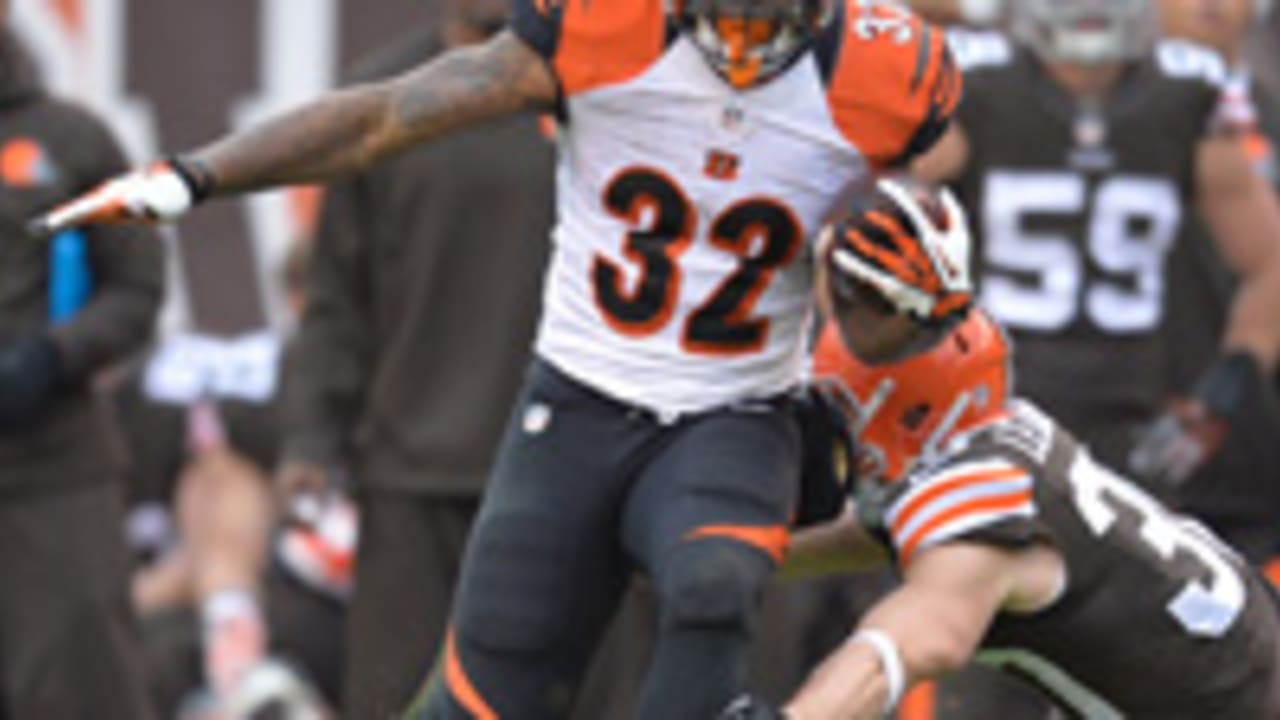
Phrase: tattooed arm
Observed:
(348, 130)
(342, 132)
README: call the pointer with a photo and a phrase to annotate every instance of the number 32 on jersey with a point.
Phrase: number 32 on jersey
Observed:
(762, 233)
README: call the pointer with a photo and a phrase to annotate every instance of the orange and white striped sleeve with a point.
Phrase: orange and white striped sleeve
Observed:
(958, 501)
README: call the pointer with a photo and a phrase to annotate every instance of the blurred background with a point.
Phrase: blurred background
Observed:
(248, 60)
(199, 410)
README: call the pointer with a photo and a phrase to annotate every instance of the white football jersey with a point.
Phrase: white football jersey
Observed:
(680, 278)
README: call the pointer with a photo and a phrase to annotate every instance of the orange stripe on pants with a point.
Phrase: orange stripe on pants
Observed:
(772, 540)
(460, 685)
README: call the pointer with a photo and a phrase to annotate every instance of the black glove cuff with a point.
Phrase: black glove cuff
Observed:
(197, 176)
(1226, 384)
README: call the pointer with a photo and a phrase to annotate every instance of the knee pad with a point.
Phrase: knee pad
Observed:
(711, 582)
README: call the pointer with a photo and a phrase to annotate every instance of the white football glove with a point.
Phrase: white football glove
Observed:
(159, 193)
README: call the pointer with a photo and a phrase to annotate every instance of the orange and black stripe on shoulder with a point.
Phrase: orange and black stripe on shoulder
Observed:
(892, 84)
(594, 43)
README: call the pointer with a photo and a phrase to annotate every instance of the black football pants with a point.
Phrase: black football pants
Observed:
(585, 490)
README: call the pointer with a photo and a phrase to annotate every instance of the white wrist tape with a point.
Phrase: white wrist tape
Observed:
(981, 12)
(895, 674)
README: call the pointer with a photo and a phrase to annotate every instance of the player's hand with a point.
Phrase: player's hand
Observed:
(1178, 442)
(747, 707)
(1183, 438)
(160, 193)
(298, 480)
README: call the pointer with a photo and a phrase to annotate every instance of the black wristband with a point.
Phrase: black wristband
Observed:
(1227, 382)
(197, 176)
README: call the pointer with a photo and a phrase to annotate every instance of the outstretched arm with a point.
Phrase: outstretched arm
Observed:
(929, 626)
(342, 132)
(348, 130)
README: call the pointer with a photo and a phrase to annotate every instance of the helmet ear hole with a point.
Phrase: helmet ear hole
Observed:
(913, 418)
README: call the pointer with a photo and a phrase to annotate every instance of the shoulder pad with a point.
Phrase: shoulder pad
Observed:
(955, 498)
(592, 43)
(893, 85)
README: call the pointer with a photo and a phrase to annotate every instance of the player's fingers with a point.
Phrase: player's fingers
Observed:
(157, 193)
(96, 206)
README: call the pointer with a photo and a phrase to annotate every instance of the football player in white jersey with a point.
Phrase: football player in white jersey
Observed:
(701, 144)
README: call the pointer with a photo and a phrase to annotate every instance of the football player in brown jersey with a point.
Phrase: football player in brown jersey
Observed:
(1081, 193)
(1013, 543)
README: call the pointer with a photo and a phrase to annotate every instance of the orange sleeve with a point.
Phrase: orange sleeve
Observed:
(893, 86)
(591, 43)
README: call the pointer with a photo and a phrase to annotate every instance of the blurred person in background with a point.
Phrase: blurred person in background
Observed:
(973, 13)
(425, 291)
(1263, 50)
(68, 642)
(1236, 488)
(1078, 203)
(230, 585)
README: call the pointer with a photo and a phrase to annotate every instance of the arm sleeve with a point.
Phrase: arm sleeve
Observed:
(127, 265)
(893, 85)
(989, 501)
(328, 364)
(944, 85)
(592, 43)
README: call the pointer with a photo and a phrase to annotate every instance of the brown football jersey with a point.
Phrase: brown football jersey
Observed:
(1156, 619)
(1076, 207)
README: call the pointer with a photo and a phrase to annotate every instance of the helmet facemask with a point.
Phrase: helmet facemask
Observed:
(910, 410)
(749, 41)
(1086, 32)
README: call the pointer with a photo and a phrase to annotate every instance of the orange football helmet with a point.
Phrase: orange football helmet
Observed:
(906, 410)
(749, 41)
